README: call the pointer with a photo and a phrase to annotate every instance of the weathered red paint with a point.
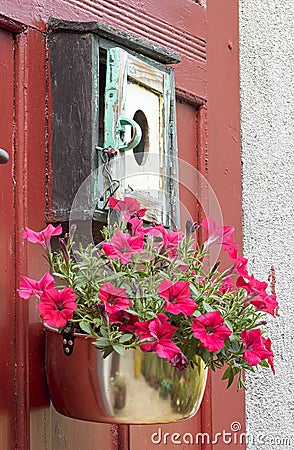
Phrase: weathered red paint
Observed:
(211, 142)
(7, 245)
(180, 26)
(223, 407)
(187, 130)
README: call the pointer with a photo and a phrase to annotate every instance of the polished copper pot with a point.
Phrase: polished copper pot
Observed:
(140, 388)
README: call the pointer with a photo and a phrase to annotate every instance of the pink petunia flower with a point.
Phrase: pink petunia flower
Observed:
(266, 303)
(114, 299)
(220, 235)
(29, 287)
(158, 333)
(177, 297)
(170, 239)
(231, 248)
(252, 286)
(254, 347)
(128, 207)
(210, 330)
(240, 266)
(226, 285)
(135, 226)
(57, 306)
(125, 320)
(44, 236)
(122, 246)
(268, 346)
(257, 294)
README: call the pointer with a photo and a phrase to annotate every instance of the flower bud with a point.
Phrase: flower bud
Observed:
(180, 361)
(191, 227)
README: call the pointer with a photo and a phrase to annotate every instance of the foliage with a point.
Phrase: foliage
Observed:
(152, 288)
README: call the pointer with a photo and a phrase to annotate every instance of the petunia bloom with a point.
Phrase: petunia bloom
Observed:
(265, 303)
(157, 336)
(240, 266)
(29, 287)
(220, 235)
(57, 306)
(257, 295)
(170, 242)
(253, 286)
(170, 239)
(210, 330)
(125, 320)
(122, 246)
(135, 226)
(128, 207)
(114, 299)
(254, 347)
(226, 285)
(43, 237)
(177, 297)
(268, 346)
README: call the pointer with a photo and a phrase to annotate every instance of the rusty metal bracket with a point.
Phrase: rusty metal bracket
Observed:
(68, 339)
(106, 154)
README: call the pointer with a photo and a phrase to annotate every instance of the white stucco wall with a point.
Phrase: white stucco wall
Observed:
(266, 59)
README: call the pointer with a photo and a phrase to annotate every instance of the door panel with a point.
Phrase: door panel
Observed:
(7, 248)
(172, 436)
(178, 25)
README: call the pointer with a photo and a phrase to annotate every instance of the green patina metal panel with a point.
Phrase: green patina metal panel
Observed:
(123, 70)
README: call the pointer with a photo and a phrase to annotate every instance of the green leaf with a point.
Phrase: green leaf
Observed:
(103, 332)
(230, 382)
(229, 325)
(142, 274)
(118, 349)
(131, 311)
(59, 275)
(125, 338)
(194, 290)
(227, 373)
(107, 351)
(264, 363)
(207, 307)
(113, 277)
(101, 342)
(241, 384)
(234, 345)
(86, 327)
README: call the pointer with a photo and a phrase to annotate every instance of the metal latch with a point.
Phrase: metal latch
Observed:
(136, 134)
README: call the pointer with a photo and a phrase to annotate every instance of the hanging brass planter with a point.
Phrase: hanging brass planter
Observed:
(140, 388)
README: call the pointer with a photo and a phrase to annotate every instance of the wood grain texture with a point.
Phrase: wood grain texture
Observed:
(7, 244)
(178, 25)
(120, 37)
(73, 130)
(224, 175)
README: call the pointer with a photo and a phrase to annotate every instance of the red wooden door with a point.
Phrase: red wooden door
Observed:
(7, 246)
(211, 145)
